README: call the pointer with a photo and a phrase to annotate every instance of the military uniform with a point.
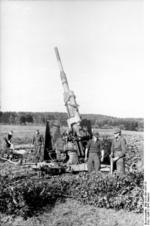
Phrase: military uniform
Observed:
(38, 142)
(8, 146)
(118, 149)
(94, 155)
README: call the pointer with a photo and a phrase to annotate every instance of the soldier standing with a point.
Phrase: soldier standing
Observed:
(118, 150)
(9, 147)
(38, 141)
(93, 153)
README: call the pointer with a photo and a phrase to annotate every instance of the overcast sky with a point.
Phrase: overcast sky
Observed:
(101, 44)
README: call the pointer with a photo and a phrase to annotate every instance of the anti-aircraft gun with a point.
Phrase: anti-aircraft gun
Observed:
(79, 130)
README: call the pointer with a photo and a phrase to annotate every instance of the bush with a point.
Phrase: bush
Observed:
(110, 191)
(28, 196)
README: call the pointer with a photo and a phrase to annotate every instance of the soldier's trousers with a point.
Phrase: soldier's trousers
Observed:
(93, 162)
(38, 154)
(120, 165)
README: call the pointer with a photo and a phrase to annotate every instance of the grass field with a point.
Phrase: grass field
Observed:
(24, 134)
(21, 134)
(72, 212)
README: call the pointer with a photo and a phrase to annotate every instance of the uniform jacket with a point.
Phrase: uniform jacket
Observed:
(93, 147)
(8, 142)
(38, 140)
(119, 147)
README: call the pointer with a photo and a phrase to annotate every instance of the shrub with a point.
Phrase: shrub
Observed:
(27, 196)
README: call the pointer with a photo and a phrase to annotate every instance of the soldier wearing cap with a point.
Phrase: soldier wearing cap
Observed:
(93, 153)
(118, 150)
(38, 142)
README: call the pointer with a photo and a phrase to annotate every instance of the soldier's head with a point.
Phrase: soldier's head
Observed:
(95, 136)
(37, 132)
(10, 134)
(117, 132)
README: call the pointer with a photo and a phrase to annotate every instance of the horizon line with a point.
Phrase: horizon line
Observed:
(43, 112)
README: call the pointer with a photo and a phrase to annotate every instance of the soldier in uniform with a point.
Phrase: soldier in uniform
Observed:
(9, 147)
(118, 150)
(93, 153)
(38, 141)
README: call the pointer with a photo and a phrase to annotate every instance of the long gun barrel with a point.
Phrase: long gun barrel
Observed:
(69, 97)
(62, 73)
(58, 59)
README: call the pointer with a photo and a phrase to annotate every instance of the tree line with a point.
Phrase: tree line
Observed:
(97, 120)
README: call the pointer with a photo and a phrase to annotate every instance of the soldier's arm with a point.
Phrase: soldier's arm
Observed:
(86, 153)
(33, 140)
(102, 155)
(112, 149)
(100, 148)
(42, 139)
(6, 140)
(123, 147)
(86, 150)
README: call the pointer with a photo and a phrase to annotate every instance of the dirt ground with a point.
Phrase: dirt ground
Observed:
(72, 213)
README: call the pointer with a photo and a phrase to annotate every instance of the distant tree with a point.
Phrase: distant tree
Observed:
(12, 117)
(23, 120)
(43, 119)
(122, 126)
(29, 118)
(106, 126)
(1, 116)
(51, 117)
(5, 117)
(140, 126)
(98, 121)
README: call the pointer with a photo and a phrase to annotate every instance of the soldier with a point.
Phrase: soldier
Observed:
(8, 146)
(93, 148)
(118, 150)
(38, 141)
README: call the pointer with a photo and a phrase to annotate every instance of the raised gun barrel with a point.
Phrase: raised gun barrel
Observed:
(69, 97)
(62, 73)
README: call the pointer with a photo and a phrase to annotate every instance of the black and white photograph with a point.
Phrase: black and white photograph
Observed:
(72, 125)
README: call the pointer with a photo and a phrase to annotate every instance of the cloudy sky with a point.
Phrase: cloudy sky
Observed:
(101, 44)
